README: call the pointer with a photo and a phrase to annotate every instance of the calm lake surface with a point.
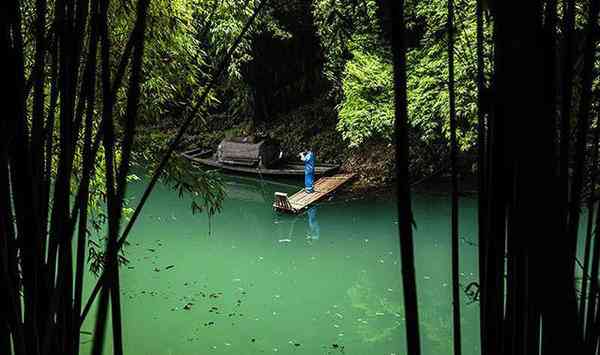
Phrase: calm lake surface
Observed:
(256, 282)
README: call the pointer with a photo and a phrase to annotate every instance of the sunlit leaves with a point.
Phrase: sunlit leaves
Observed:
(368, 106)
(363, 111)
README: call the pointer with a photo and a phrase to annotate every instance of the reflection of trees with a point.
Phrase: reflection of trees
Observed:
(376, 324)
(383, 317)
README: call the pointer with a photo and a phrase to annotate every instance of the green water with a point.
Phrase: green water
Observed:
(259, 282)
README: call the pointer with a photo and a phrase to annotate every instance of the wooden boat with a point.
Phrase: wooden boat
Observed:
(282, 168)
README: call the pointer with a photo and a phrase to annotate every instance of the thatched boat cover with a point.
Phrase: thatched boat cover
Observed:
(248, 151)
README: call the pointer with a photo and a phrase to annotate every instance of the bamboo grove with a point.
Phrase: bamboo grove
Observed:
(51, 139)
(537, 134)
(537, 168)
(45, 196)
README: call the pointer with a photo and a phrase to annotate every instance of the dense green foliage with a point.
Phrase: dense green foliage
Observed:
(309, 73)
(365, 110)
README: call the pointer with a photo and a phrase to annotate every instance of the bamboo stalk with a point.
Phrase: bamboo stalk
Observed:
(454, 194)
(88, 163)
(582, 128)
(589, 233)
(405, 217)
(113, 210)
(565, 108)
(481, 168)
(592, 337)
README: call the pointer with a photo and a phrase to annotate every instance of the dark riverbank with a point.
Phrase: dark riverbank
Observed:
(438, 185)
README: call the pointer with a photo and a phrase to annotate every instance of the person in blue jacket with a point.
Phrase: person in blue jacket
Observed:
(308, 157)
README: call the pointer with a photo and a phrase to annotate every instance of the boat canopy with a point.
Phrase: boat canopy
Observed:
(249, 151)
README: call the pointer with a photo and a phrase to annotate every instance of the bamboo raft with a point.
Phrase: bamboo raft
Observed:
(301, 200)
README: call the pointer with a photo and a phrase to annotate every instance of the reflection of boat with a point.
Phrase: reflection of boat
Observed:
(283, 168)
(252, 189)
(244, 192)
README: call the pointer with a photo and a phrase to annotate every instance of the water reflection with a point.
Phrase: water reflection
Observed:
(314, 231)
(280, 284)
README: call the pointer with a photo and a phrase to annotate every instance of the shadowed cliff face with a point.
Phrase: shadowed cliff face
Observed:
(286, 73)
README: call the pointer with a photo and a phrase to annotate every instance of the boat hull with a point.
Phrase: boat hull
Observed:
(283, 168)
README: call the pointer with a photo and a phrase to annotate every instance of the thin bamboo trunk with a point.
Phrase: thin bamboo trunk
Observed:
(111, 262)
(405, 217)
(589, 233)
(582, 130)
(454, 197)
(88, 163)
(592, 306)
(481, 168)
(565, 109)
